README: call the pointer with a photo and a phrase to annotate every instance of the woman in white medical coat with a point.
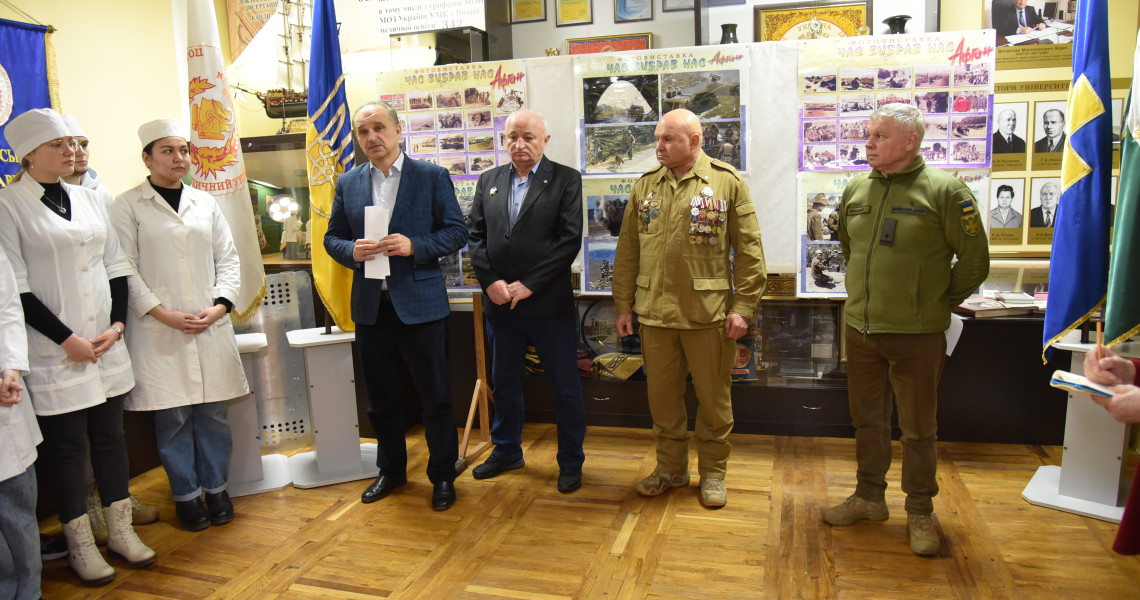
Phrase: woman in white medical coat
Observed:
(72, 282)
(185, 357)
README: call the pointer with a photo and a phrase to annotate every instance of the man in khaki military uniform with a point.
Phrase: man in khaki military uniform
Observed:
(901, 226)
(672, 268)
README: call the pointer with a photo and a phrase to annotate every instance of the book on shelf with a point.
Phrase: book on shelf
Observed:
(982, 308)
(1016, 299)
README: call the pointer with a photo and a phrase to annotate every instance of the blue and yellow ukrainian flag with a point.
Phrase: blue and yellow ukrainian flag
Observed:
(328, 150)
(1078, 266)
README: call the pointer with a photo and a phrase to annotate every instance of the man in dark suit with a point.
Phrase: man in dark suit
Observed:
(525, 231)
(401, 319)
(1005, 140)
(1046, 214)
(1053, 123)
(1016, 18)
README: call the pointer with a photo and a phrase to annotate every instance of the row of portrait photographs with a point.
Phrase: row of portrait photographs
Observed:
(862, 79)
(644, 98)
(1011, 126)
(616, 149)
(467, 164)
(503, 101)
(449, 120)
(1010, 202)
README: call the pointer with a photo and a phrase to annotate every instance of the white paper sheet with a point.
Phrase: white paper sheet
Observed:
(953, 333)
(1016, 39)
(376, 227)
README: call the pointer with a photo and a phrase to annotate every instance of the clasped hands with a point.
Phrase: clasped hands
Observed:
(394, 244)
(186, 322)
(1117, 373)
(502, 292)
(80, 349)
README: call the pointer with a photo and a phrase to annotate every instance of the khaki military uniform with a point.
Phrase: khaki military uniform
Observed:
(672, 269)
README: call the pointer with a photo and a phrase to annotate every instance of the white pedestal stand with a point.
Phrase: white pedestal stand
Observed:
(1088, 482)
(250, 472)
(339, 456)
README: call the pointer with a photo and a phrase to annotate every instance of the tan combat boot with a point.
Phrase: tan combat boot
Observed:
(855, 509)
(713, 492)
(923, 538)
(659, 481)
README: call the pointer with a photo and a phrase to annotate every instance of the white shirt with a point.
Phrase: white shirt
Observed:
(384, 189)
(19, 431)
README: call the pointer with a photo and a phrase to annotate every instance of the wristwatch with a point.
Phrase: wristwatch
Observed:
(118, 330)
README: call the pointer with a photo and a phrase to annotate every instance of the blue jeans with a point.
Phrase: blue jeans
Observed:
(194, 443)
(555, 340)
(19, 538)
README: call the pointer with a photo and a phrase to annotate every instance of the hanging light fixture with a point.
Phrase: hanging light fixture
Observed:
(281, 206)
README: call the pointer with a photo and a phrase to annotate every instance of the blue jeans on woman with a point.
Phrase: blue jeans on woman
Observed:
(194, 444)
(19, 538)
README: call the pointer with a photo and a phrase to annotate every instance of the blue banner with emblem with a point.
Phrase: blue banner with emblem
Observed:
(23, 82)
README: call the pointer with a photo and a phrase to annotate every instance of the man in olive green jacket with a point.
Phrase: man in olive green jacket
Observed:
(900, 228)
(672, 268)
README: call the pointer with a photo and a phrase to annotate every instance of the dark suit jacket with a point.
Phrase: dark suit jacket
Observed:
(539, 249)
(1041, 144)
(427, 212)
(1017, 146)
(1005, 18)
(1037, 217)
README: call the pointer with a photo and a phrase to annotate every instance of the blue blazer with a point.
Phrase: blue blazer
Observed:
(427, 212)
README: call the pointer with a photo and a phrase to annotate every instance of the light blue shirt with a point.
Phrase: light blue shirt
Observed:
(384, 189)
(519, 188)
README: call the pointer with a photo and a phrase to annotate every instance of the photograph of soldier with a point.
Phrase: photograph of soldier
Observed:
(971, 101)
(1051, 116)
(707, 94)
(1006, 205)
(816, 108)
(477, 96)
(894, 78)
(853, 129)
(816, 132)
(856, 105)
(455, 165)
(1009, 128)
(480, 141)
(620, 149)
(818, 202)
(818, 81)
(448, 99)
(937, 128)
(420, 101)
(971, 74)
(621, 99)
(832, 223)
(970, 126)
(721, 140)
(1046, 193)
(968, 152)
(479, 118)
(852, 154)
(449, 119)
(933, 152)
(883, 98)
(823, 263)
(853, 80)
(931, 76)
(421, 122)
(818, 157)
(932, 102)
(422, 144)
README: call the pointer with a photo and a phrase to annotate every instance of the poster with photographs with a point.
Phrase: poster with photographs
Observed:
(1006, 216)
(625, 94)
(604, 200)
(843, 79)
(821, 266)
(454, 116)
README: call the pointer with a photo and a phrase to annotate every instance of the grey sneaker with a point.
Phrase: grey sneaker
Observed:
(713, 492)
(660, 481)
(141, 514)
(923, 538)
(854, 509)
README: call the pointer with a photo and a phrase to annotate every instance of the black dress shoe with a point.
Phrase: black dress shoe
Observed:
(494, 466)
(380, 488)
(192, 514)
(220, 508)
(442, 495)
(569, 479)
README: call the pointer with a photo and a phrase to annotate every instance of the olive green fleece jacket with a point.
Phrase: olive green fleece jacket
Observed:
(909, 285)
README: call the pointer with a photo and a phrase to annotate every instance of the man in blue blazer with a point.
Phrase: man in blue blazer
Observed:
(401, 319)
(526, 230)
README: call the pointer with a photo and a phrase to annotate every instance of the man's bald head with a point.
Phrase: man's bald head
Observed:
(678, 136)
(526, 138)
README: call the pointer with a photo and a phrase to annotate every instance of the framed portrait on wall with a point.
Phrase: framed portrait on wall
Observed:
(573, 12)
(526, 11)
(626, 11)
(803, 20)
(607, 43)
(675, 5)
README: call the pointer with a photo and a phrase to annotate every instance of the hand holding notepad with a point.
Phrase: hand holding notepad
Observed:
(1078, 383)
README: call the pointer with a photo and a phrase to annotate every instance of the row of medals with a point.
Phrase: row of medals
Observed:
(706, 219)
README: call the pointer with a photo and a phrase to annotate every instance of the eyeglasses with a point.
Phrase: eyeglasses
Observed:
(61, 144)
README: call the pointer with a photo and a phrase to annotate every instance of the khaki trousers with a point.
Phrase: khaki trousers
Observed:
(907, 367)
(669, 355)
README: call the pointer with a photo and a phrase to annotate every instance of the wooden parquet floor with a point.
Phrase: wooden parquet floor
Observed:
(516, 537)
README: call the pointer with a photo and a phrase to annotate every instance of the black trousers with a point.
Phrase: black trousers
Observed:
(386, 348)
(63, 456)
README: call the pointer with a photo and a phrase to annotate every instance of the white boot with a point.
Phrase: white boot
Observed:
(83, 555)
(121, 538)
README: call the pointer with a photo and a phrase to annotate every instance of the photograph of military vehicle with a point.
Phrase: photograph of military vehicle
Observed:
(709, 94)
